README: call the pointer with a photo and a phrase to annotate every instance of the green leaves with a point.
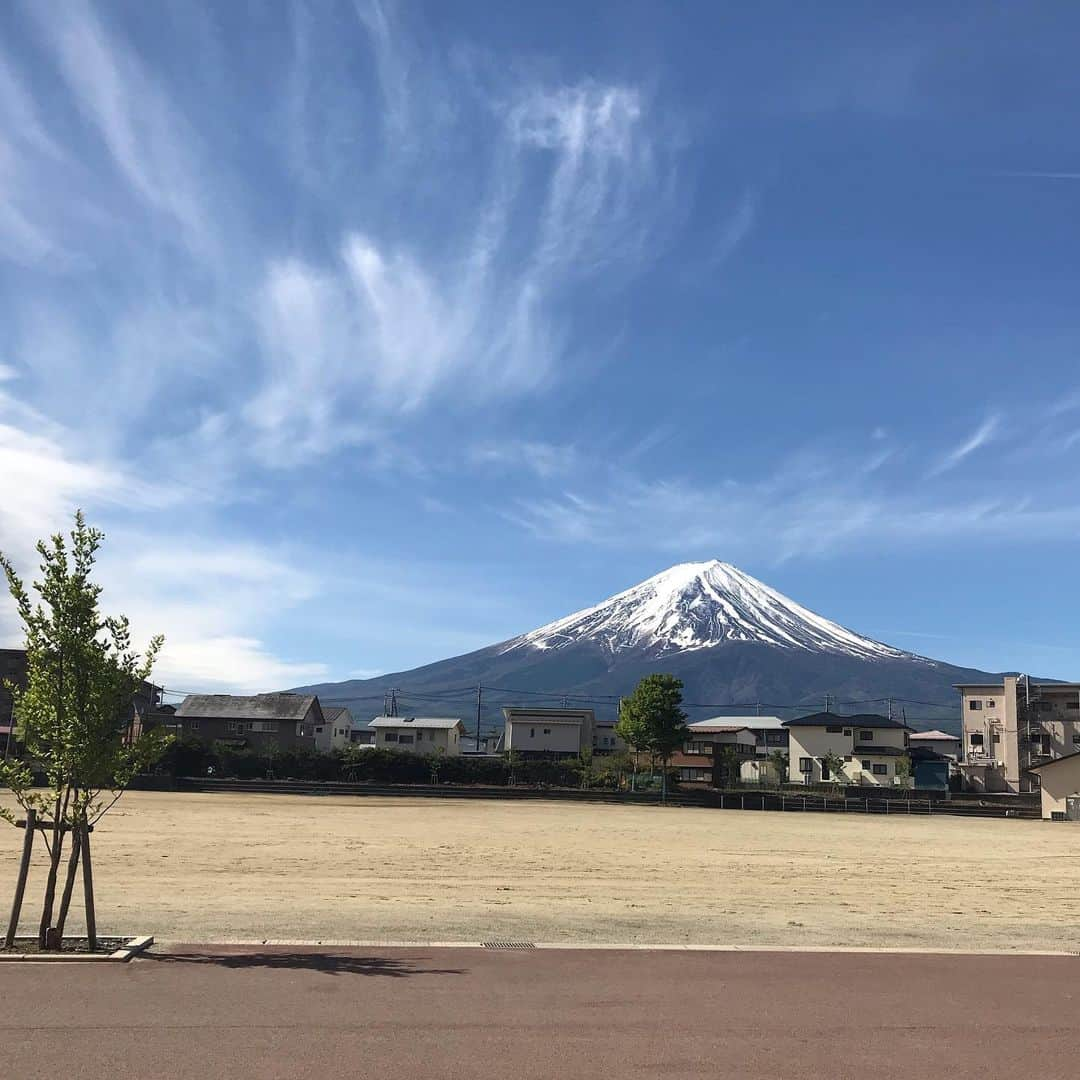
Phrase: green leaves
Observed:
(651, 718)
(74, 716)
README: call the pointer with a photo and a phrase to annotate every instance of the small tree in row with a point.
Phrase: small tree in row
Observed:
(73, 714)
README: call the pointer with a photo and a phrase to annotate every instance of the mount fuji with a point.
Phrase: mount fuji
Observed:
(737, 644)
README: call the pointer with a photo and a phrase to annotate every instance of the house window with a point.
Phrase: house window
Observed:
(391, 736)
(976, 738)
(833, 729)
(990, 703)
(847, 758)
(318, 731)
(774, 738)
(995, 737)
(881, 770)
(974, 706)
(406, 739)
(547, 731)
(806, 765)
(866, 765)
(847, 731)
(195, 726)
(866, 736)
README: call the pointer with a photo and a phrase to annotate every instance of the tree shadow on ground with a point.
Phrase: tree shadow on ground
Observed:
(330, 963)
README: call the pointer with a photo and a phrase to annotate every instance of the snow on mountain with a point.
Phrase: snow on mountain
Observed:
(698, 606)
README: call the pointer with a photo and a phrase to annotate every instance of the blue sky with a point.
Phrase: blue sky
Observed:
(376, 332)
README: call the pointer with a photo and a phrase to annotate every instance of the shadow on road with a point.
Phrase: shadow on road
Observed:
(331, 963)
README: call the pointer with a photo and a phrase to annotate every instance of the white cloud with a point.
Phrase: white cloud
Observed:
(813, 505)
(982, 435)
(738, 226)
(149, 141)
(544, 459)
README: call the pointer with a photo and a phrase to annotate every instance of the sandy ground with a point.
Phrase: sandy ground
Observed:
(224, 867)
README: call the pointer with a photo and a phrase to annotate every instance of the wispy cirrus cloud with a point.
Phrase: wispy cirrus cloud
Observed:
(206, 341)
(985, 433)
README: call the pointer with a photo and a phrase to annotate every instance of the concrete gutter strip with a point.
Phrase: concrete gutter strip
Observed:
(624, 947)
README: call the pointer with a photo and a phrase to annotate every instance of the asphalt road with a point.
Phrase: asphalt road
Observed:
(469, 1013)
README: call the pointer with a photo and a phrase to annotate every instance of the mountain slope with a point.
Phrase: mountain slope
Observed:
(733, 640)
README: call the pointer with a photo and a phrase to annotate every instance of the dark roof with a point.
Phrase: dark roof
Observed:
(863, 720)
(259, 707)
(333, 712)
(1056, 761)
(870, 750)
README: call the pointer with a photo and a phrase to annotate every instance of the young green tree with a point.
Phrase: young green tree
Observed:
(585, 767)
(729, 767)
(631, 728)
(654, 716)
(834, 764)
(779, 761)
(73, 714)
(904, 770)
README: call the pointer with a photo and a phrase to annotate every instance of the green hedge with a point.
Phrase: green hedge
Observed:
(191, 757)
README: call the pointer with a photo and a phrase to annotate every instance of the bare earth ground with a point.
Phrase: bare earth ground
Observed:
(222, 867)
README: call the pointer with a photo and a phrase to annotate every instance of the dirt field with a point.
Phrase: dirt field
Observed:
(253, 867)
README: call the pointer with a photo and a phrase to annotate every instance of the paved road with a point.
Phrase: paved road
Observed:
(448, 1013)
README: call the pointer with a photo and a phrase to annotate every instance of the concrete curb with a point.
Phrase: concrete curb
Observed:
(620, 947)
(119, 956)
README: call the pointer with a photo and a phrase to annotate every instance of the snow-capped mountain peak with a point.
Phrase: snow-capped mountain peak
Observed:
(698, 606)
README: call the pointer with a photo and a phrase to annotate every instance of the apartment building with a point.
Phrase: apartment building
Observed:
(419, 734)
(866, 745)
(1013, 726)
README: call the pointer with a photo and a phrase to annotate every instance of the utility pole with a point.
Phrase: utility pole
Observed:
(890, 708)
(827, 696)
(479, 700)
(393, 702)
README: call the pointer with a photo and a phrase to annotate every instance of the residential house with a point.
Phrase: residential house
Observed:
(868, 746)
(941, 742)
(604, 739)
(548, 733)
(705, 754)
(1012, 726)
(143, 713)
(1060, 787)
(335, 732)
(259, 722)
(419, 734)
(769, 736)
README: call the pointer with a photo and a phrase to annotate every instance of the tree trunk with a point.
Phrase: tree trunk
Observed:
(50, 884)
(663, 781)
(69, 884)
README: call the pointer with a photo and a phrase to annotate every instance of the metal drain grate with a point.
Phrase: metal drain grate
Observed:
(508, 945)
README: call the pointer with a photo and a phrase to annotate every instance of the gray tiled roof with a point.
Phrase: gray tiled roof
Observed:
(258, 707)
